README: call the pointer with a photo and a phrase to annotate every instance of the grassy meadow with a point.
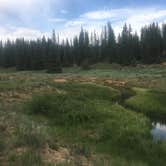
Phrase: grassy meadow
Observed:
(99, 117)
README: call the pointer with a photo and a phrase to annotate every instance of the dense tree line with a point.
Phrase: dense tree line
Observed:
(86, 49)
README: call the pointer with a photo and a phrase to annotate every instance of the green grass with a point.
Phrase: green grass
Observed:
(149, 102)
(29, 158)
(74, 105)
(118, 72)
(89, 91)
(106, 126)
(63, 109)
(118, 161)
(2, 144)
(31, 136)
(7, 85)
(114, 129)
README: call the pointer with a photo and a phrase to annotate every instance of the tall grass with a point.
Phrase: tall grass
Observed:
(83, 108)
(149, 102)
(75, 106)
(29, 135)
(29, 158)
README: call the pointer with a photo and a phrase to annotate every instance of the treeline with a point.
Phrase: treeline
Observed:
(86, 49)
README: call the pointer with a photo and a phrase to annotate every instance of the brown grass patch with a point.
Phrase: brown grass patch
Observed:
(60, 80)
(62, 155)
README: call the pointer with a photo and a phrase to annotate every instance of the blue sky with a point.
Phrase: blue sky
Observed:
(34, 18)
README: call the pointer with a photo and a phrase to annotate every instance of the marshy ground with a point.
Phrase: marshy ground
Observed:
(99, 117)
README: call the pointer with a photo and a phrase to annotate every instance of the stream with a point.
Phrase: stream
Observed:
(158, 125)
(159, 131)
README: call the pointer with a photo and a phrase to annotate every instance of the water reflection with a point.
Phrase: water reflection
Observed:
(159, 131)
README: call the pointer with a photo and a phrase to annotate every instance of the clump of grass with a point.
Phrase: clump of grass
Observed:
(63, 164)
(8, 85)
(63, 108)
(117, 161)
(126, 93)
(29, 158)
(149, 102)
(81, 149)
(125, 128)
(2, 144)
(76, 106)
(89, 91)
(31, 136)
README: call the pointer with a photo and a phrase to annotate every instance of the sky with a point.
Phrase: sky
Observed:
(34, 18)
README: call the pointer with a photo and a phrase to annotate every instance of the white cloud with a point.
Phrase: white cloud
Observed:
(21, 32)
(137, 17)
(145, 17)
(28, 17)
(57, 20)
(27, 12)
(105, 14)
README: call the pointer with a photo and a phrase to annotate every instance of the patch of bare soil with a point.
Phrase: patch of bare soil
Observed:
(83, 79)
(105, 81)
(21, 150)
(115, 83)
(82, 161)
(13, 96)
(25, 94)
(6, 128)
(63, 155)
(60, 80)
(163, 64)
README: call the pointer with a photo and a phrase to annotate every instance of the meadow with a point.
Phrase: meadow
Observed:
(99, 117)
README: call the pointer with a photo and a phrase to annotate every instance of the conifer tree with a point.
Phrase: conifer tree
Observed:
(151, 43)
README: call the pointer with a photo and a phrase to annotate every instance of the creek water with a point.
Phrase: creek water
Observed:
(159, 131)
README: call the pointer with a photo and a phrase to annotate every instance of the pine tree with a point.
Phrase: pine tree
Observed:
(84, 50)
(1, 54)
(151, 44)
(164, 41)
(125, 41)
(76, 50)
(111, 46)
